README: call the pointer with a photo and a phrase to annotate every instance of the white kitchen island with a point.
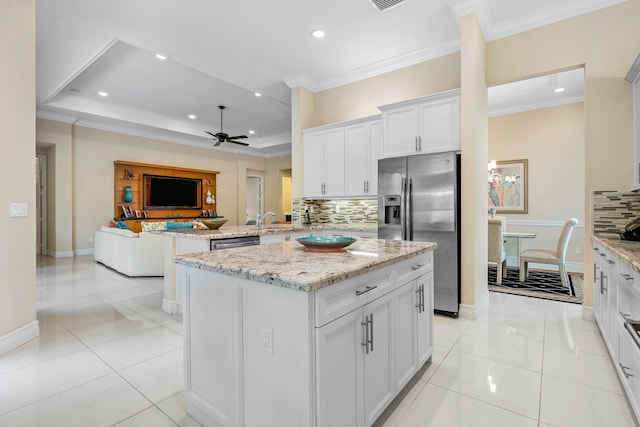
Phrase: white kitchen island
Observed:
(279, 336)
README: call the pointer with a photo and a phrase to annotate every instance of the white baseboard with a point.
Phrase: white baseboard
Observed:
(87, 251)
(471, 311)
(587, 313)
(16, 338)
(60, 254)
(171, 306)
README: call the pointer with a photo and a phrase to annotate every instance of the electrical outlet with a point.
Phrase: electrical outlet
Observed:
(311, 208)
(337, 208)
(578, 249)
(266, 338)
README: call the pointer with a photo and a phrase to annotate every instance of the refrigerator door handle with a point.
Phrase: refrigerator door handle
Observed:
(403, 210)
(409, 221)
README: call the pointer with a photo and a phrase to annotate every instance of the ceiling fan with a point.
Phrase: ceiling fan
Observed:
(223, 137)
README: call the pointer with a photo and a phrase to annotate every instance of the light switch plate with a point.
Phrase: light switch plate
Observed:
(17, 210)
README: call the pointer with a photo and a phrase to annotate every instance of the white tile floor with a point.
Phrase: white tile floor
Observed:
(107, 355)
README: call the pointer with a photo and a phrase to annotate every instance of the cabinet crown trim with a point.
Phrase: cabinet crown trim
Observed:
(428, 98)
(342, 124)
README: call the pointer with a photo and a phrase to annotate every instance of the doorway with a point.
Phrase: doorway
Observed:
(41, 204)
(255, 197)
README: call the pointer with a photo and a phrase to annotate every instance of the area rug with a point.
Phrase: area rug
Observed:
(540, 284)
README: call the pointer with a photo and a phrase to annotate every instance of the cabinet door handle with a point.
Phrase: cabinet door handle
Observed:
(417, 267)
(365, 335)
(419, 296)
(611, 262)
(603, 255)
(365, 290)
(625, 316)
(370, 321)
(596, 249)
(626, 276)
(419, 143)
(422, 297)
(624, 370)
(606, 279)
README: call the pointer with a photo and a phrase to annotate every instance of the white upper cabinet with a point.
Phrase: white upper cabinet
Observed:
(634, 77)
(341, 160)
(363, 149)
(323, 157)
(425, 125)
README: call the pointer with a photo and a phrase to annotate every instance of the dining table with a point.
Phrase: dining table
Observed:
(512, 245)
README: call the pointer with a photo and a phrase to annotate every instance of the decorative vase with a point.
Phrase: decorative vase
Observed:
(210, 200)
(128, 195)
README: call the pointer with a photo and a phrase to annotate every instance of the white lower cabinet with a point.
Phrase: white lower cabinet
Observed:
(354, 365)
(413, 329)
(616, 301)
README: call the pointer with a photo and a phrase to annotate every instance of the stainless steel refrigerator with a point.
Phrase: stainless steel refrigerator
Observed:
(418, 199)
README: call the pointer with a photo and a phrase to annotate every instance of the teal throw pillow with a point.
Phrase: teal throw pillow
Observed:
(172, 225)
(123, 225)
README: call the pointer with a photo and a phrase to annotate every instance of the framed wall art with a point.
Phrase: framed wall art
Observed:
(507, 186)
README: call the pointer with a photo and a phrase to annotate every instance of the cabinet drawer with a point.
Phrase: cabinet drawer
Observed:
(414, 267)
(628, 277)
(337, 300)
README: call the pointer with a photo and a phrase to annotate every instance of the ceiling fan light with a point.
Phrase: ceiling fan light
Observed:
(103, 93)
(192, 116)
(160, 56)
(252, 132)
(257, 94)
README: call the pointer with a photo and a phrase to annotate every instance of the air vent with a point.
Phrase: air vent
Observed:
(383, 5)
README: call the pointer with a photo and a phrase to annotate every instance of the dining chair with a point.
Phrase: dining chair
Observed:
(549, 256)
(497, 253)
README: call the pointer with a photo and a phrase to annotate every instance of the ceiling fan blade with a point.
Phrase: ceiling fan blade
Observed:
(238, 142)
(238, 137)
(217, 143)
(212, 134)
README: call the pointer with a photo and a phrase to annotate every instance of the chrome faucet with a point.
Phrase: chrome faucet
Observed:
(260, 218)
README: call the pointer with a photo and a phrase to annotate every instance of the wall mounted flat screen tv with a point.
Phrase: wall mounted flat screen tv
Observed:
(171, 192)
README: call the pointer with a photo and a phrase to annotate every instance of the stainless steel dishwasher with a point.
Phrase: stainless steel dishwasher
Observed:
(234, 242)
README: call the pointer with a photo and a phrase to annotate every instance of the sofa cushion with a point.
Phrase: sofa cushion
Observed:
(172, 225)
(153, 225)
(125, 233)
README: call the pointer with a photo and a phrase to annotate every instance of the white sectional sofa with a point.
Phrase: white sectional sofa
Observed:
(132, 254)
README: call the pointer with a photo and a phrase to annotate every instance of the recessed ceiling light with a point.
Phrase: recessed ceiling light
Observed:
(558, 90)
(103, 93)
(257, 94)
(160, 56)
(317, 34)
(192, 116)
(252, 132)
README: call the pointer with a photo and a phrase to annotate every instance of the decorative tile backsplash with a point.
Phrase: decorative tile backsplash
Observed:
(339, 211)
(612, 210)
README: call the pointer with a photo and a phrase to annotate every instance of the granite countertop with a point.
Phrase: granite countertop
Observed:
(289, 265)
(251, 230)
(627, 251)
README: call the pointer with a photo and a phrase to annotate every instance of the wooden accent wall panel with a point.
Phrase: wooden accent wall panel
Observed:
(122, 179)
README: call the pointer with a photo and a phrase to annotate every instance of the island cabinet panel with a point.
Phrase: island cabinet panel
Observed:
(211, 351)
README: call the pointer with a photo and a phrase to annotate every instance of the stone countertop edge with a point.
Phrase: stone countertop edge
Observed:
(289, 265)
(251, 230)
(627, 251)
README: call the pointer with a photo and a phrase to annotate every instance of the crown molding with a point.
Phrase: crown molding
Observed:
(301, 80)
(546, 16)
(58, 117)
(634, 71)
(480, 8)
(392, 64)
(522, 107)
